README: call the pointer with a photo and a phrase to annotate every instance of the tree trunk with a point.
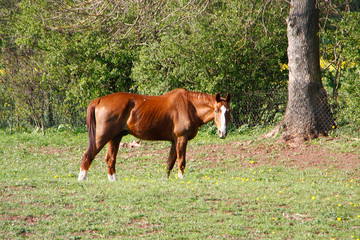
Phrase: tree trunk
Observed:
(308, 113)
(42, 123)
(11, 118)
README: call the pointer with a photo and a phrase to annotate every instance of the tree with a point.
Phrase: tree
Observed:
(307, 114)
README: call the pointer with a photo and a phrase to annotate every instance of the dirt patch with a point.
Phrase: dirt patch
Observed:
(250, 154)
(49, 150)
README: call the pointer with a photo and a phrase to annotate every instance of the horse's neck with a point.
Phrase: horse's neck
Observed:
(204, 105)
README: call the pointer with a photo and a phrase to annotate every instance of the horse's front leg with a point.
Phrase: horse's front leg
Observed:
(181, 144)
(110, 159)
(171, 159)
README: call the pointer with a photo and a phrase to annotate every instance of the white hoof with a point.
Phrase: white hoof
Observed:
(112, 178)
(82, 175)
(180, 175)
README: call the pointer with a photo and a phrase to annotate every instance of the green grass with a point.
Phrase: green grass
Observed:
(41, 198)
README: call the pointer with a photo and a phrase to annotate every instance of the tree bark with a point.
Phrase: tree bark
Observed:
(11, 118)
(308, 113)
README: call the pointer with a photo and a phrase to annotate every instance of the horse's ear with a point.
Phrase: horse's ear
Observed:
(218, 98)
(228, 97)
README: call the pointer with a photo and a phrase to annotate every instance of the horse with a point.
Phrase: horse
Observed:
(175, 117)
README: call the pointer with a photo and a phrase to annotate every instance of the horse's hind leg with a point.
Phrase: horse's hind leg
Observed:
(85, 165)
(110, 159)
(172, 158)
(95, 145)
(86, 161)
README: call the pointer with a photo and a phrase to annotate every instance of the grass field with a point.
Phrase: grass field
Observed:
(225, 194)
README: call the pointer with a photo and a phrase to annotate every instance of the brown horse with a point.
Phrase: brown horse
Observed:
(175, 116)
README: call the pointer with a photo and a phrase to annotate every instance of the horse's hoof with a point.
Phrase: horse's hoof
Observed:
(112, 178)
(82, 175)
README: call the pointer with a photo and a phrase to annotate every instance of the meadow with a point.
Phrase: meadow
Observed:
(237, 188)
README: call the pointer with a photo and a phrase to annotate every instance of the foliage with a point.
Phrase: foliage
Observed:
(52, 73)
(56, 56)
(233, 47)
(349, 92)
(67, 59)
(340, 60)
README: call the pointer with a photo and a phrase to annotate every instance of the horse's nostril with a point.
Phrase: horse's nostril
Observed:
(222, 134)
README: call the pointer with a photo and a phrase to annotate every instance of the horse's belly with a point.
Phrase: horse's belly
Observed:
(150, 124)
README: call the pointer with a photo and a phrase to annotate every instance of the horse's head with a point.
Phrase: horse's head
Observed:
(222, 114)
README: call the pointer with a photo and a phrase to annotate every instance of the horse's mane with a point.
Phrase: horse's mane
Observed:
(201, 97)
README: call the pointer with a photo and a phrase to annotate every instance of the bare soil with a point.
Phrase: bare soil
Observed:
(301, 156)
(256, 154)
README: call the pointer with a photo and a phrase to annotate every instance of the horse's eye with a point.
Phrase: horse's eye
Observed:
(216, 111)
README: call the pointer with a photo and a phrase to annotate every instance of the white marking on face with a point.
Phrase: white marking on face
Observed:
(82, 175)
(112, 178)
(222, 130)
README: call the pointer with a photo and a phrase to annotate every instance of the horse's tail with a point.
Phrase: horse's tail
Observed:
(91, 125)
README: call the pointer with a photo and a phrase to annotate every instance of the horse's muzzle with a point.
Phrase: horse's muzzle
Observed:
(222, 133)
